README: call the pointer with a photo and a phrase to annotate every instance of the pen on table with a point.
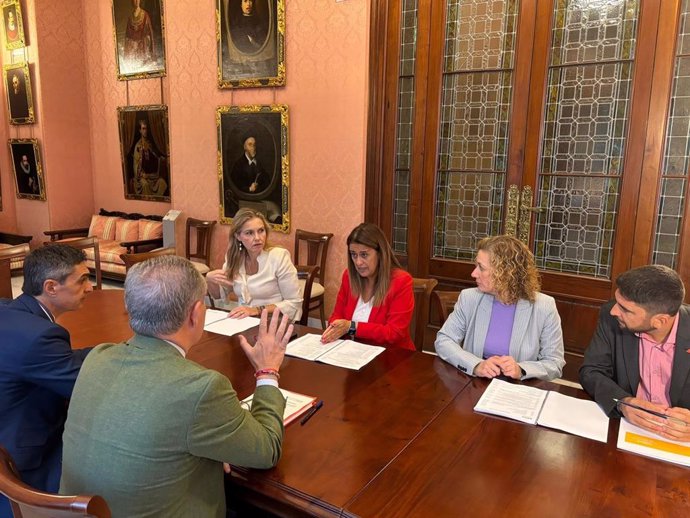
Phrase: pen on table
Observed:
(653, 412)
(311, 412)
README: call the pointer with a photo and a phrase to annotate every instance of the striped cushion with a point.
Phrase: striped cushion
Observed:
(150, 229)
(126, 230)
(110, 252)
(103, 227)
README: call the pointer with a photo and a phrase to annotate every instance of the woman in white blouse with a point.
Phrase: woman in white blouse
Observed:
(261, 276)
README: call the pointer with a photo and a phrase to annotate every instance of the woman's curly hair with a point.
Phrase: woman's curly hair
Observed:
(515, 274)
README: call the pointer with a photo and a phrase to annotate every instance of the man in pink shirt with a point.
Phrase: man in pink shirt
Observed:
(640, 353)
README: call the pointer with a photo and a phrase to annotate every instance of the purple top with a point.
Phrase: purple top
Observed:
(500, 330)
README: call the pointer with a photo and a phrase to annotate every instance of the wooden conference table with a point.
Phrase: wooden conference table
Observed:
(400, 438)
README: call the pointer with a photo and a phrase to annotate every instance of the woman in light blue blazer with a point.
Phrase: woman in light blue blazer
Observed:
(504, 326)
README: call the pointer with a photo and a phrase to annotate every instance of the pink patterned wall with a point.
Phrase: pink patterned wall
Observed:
(326, 92)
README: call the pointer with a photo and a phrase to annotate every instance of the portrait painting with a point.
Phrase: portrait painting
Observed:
(12, 22)
(145, 152)
(139, 33)
(18, 90)
(251, 43)
(28, 173)
(253, 162)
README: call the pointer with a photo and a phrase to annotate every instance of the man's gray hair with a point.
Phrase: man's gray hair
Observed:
(160, 292)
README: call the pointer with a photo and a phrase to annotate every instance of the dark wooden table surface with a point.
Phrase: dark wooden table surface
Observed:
(400, 438)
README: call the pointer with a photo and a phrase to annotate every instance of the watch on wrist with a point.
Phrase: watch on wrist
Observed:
(353, 328)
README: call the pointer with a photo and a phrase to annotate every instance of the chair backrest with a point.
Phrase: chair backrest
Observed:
(84, 243)
(27, 502)
(308, 273)
(444, 302)
(316, 246)
(204, 231)
(422, 289)
(132, 259)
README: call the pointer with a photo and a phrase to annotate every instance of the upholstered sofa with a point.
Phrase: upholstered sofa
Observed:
(118, 233)
(8, 240)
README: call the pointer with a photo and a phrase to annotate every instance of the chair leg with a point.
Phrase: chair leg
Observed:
(323, 316)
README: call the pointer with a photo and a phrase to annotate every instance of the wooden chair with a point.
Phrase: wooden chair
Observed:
(202, 251)
(316, 249)
(5, 279)
(444, 302)
(422, 289)
(132, 259)
(17, 247)
(84, 243)
(27, 502)
(308, 274)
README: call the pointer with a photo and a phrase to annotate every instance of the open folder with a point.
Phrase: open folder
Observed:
(295, 404)
(341, 353)
(546, 408)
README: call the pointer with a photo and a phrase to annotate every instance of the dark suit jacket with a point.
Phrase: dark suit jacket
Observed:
(611, 367)
(37, 373)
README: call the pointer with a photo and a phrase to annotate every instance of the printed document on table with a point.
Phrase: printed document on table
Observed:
(573, 415)
(295, 404)
(213, 315)
(341, 353)
(518, 402)
(636, 440)
(230, 326)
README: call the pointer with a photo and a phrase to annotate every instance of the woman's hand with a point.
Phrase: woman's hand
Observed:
(509, 367)
(219, 278)
(488, 368)
(335, 330)
(244, 311)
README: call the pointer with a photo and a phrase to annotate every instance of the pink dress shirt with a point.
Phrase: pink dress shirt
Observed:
(656, 364)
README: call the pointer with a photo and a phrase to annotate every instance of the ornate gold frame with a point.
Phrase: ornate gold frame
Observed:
(235, 124)
(24, 67)
(39, 169)
(143, 72)
(237, 69)
(21, 42)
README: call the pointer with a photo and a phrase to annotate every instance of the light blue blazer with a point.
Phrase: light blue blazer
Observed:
(536, 341)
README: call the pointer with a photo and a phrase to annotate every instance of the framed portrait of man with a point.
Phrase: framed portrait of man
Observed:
(251, 43)
(28, 173)
(18, 90)
(12, 23)
(145, 152)
(253, 162)
(139, 33)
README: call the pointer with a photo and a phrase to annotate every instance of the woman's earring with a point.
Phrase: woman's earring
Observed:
(239, 245)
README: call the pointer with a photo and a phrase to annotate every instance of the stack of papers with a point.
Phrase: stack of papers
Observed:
(341, 353)
(546, 408)
(295, 404)
(634, 439)
(218, 322)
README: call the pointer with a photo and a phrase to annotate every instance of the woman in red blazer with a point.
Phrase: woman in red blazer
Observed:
(375, 300)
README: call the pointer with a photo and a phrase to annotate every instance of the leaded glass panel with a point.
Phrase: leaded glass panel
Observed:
(401, 202)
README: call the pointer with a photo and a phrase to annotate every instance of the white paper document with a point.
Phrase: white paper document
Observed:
(219, 323)
(546, 408)
(341, 353)
(634, 439)
(295, 404)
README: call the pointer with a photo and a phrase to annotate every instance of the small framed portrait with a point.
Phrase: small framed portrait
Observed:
(253, 162)
(12, 22)
(145, 152)
(28, 173)
(251, 43)
(139, 34)
(19, 98)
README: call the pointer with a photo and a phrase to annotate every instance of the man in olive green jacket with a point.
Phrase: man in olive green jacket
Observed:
(147, 429)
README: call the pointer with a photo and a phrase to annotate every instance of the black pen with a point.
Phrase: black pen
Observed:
(653, 412)
(311, 412)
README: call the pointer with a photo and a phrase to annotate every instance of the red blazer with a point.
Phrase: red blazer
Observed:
(389, 323)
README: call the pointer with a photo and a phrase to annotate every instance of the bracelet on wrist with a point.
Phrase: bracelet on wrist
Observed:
(267, 372)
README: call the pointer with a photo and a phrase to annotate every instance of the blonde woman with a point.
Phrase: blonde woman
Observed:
(260, 275)
(504, 326)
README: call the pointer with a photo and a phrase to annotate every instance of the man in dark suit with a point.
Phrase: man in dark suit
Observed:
(640, 352)
(38, 367)
(248, 174)
(19, 102)
(149, 430)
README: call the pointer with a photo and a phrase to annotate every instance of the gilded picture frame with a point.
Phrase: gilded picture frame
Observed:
(139, 34)
(28, 172)
(19, 95)
(145, 152)
(254, 162)
(251, 43)
(13, 26)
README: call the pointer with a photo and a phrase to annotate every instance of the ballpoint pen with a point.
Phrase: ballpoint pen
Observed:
(311, 412)
(653, 412)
